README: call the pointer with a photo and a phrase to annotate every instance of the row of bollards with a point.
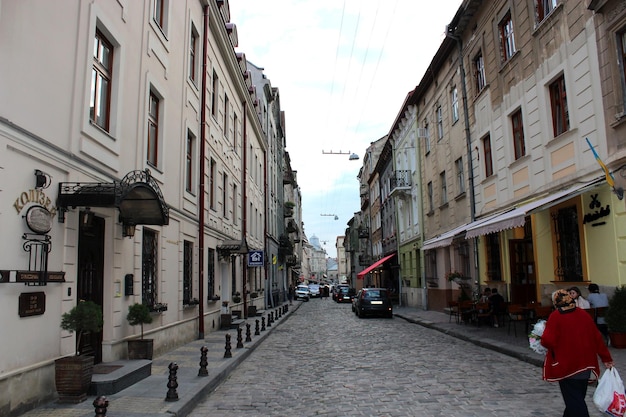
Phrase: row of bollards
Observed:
(101, 403)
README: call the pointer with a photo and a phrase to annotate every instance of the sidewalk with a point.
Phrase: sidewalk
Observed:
(148, 396)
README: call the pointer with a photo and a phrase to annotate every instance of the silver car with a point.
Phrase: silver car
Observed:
(302, 292)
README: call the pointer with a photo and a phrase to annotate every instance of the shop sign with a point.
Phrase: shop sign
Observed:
(36, 276)
(599, 213)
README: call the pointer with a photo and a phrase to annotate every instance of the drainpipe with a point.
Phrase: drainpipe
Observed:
(203, 126)
(468, 141)
(244, 209)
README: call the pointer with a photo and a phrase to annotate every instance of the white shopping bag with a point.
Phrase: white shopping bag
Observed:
(609, 396)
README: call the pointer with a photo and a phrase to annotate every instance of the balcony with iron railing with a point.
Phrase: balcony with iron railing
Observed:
(400, 182)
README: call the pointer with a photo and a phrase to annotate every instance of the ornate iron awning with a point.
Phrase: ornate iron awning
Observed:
(232, 247)
(137, 196)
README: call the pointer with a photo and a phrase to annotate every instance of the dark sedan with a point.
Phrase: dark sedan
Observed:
(373, 301)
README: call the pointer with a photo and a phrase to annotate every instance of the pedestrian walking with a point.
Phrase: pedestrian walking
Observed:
(574, 344)
(290, 294)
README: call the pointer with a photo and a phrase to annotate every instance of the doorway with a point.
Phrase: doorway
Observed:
(90, 275)
(523, 275)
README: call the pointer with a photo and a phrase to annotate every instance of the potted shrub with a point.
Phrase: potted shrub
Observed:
(139, 314)
(73, 373)
(616, 318)
(237, 297)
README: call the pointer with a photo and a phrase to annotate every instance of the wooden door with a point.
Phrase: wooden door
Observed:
(523, 271)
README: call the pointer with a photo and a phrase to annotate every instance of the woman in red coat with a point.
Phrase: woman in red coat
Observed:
(574, 344)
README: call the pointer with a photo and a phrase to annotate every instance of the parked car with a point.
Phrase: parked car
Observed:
(314, 290)
(338, 289)
(373, 301)
(302, 292)
(344, 294)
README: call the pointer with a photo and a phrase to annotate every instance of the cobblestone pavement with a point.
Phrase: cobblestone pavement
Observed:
(325, 361)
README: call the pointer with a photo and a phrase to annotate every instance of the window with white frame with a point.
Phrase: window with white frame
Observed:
(190, 162)
(149, 268)
(159, 14)
(226, 116)
(543, 8)
(187, 272)
(225, 195)
(460, 175)
(194, 44)
(621, 60)
(507, 39)
(101, 81)
(212, 183)
(479, 72)
(454, 97)
(154, 113)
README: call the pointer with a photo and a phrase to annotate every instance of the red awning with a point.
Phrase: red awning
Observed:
(379, 262)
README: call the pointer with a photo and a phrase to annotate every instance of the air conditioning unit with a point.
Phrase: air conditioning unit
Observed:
(422, 132)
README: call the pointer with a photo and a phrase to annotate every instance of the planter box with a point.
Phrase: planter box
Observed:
(72, 377)
(140, 349)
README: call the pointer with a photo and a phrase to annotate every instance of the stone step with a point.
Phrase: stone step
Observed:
(112, 377)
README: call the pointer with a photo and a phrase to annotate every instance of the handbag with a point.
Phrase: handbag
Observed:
(609, 396)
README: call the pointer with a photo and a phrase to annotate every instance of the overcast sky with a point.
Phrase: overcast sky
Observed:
(343, 69)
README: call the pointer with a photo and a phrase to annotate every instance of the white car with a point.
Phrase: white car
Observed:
(314, 291)
(302, 292)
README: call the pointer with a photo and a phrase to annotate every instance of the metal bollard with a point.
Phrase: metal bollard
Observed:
(280, 313)
(203, 361)
(286, 308)
(172, 383)
(262, 324)
(239, 338)
(248, 334)
(269, 319)
(100, 404)
(256, 328)
(228, 353)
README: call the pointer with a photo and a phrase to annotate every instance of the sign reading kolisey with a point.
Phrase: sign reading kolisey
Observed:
(32, 304)
(256, 258)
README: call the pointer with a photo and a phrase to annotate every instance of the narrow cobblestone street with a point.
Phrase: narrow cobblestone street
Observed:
(325, 361)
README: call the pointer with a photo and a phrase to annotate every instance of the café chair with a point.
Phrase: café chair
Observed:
(516, 314)
(453, 310)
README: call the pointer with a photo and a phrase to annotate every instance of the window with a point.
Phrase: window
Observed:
(149, 268)
(426, 137)
(431, 268)
(568, 252)
(153, 129)
(214, 93)
(507, 40)
(234, 203)
(190, 162)
(487, 156)
(210, 273)
(193, 55)
(439, 122)
(462, 257)
(444, 188)
(158, 13)
(431, 203)
(454, 97)
(212, 170)
(621, 41)
(101, 79)
(225, 195)
(543, 8)
(235, 132)
(518, 134)
(187, 272)
(494, 268)
(226, 116)
(479, 72)
(460, 176)
(558, 101)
